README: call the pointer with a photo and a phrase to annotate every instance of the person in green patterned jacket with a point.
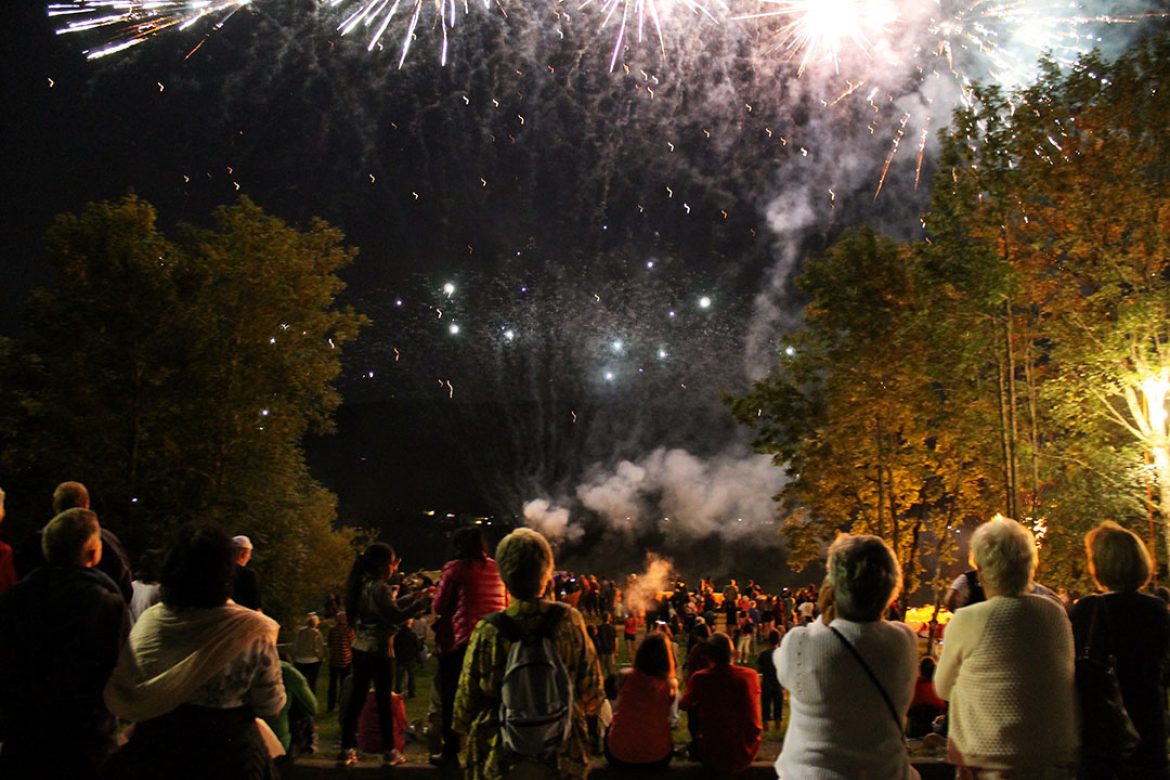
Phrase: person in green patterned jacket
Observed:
(525, 560)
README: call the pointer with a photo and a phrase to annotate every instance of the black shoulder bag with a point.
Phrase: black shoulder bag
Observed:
(1107, 732)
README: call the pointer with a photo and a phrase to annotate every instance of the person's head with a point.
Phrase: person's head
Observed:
(773, 637)
(470, 544)
(1004, 552)
(864, 575)
(312, 621)
(242, 547)
(719, 649)
(376, 562)
(926, 667)
(73, 538)
(654, 657)
(148, 566)
(525, 560)
(70, 495)
(198, 569)
(340, 619)
(1118, 559)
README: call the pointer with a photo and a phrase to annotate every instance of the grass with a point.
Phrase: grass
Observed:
(329, 727)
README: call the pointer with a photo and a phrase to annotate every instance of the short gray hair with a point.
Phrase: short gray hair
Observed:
(525, 561)
(1004, 552)
(864, 575)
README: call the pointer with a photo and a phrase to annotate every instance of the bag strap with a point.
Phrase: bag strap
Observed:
(506, 625)
(873, 678)
(514, 632)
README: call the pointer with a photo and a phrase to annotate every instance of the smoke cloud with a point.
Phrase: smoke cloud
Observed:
(672, 493)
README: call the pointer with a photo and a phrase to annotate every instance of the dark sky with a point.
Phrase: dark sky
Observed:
(584, 217)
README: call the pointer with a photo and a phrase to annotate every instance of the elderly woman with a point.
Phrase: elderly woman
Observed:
(196, 673)
(1007, 669)
(1133, 628)
(525, 562)
(850, 676)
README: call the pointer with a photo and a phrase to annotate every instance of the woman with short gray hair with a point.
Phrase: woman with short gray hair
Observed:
(851, 675)
(1007, 669)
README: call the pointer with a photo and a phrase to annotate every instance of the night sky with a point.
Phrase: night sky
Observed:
(565, 264)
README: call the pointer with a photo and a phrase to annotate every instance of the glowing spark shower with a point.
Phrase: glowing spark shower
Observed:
(818, 30)
(633, 17)
(122, 24)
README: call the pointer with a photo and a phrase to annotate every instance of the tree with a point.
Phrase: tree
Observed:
(856, 416)
(182, 375)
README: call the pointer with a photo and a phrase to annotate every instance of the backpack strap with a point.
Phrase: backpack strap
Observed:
(549, 622)
(505, 625)
(514, 632)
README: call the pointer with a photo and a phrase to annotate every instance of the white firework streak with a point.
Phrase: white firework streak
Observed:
(123, 24)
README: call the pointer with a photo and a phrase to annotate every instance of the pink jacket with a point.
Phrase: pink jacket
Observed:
(468, 590)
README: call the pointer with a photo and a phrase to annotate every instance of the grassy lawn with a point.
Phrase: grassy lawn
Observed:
(329, 728)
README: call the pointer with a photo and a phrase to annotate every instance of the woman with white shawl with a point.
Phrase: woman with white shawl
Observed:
(196, 673)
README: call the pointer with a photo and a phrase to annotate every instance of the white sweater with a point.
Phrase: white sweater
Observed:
(1007, 671)
(839, 728)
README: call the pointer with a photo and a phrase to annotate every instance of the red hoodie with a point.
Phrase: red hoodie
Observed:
(467, 591)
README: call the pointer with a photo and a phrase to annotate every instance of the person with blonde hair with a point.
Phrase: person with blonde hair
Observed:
(525, 561)
(1134, 629)
(1007, 669)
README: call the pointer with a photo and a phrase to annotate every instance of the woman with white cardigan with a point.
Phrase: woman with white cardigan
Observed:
(849, 676)
(1007, 669)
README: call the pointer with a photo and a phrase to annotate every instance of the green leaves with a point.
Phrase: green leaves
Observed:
(178, 377)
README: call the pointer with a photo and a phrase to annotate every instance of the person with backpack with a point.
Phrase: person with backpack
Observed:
(530, 678)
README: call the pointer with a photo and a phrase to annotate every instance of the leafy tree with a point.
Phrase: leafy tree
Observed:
(856, 417)
(179, 377)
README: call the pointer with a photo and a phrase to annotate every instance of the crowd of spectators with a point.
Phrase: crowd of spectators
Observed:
(165, 673)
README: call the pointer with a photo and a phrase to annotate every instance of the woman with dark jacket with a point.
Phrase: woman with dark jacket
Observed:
(469, 588)
(372, 604)
(1133, 628)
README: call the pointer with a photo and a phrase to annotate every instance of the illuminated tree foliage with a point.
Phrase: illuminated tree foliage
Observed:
(177, 378)
(1016, 360)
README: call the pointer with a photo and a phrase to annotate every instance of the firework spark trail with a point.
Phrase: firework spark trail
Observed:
(661, 13)
(128, 23)
(380, 15)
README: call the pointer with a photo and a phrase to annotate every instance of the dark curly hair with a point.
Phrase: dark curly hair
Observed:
(198, 568)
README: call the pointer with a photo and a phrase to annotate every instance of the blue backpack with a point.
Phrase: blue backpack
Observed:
(536, 698)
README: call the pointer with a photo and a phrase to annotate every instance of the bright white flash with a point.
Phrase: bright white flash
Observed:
(822, 30)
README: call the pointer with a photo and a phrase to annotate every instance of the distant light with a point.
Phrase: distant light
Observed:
(397, 301)
(649, 263)
(670, 313)
(263, 412)
(429, 513)
(449, 289)
(370, 375)
(272, 340)
(662, 354)
(618, 345)
(790, 351)
(134, 500)
(608, 376)
(509, 334)
(454, 329)
(524, 289)
(739, 519)
(704, 302)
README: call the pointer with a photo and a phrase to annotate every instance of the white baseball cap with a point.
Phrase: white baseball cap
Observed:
(242, 541)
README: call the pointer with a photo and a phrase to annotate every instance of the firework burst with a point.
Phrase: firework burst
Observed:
(375, 17)
(641, 18)
(122, 24)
